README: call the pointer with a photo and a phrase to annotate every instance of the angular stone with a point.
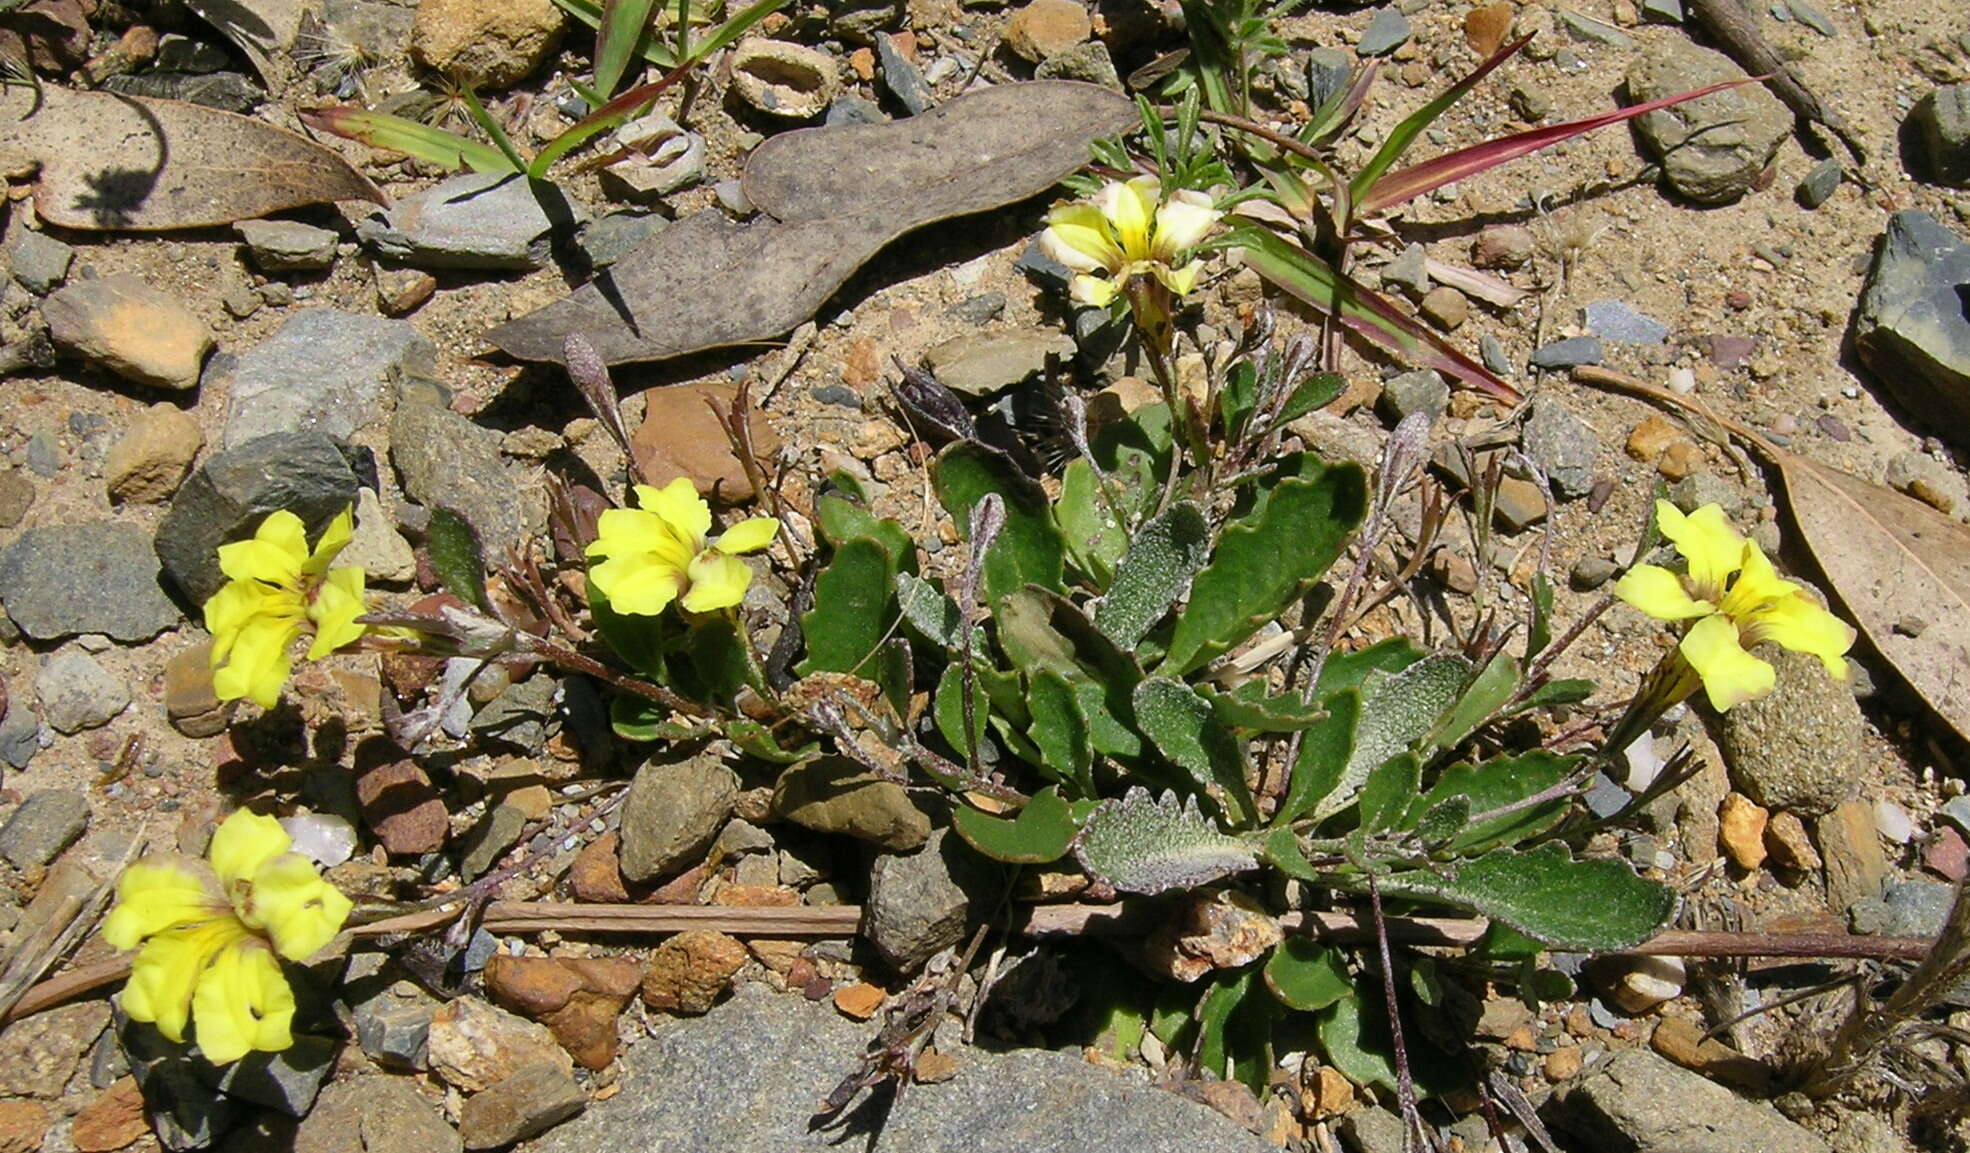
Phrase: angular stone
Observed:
(1564, 446)
(1569, 353)
(475, 220)
(473, 1045)
(1642, 1103)
(901, 77)
(23, 1126)
(673, 811)
(984, 363)
(1089, 63)
(1045, 28)
(61, 580)
(920, 902)
(227, 497)
(1942, 121)
(376, 547)
(323, 371)
(1912, 332)
(1386, 32)
(446, 461)
(40, 262)
(402, 807)
(689, 972)
(47, 822)
(531, 1101)
(394, 1026)
(1796, 747)
(77, 693)
(680, 436)
(149, 461)
(1422, 390)
(287, 245)
(836, 795)
(1713, 147)
(485, 45)
(1614, 321)
(577, 998)
(121, 324)
(1851, 852)
(375, 1114)
(39, 1054)
(498, 831)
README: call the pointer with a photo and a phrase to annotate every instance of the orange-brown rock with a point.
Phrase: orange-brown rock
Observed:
(112, 1120)
(22, 1125)
(689, 972)
(596, 874)
(577, 998)
(860, 1000)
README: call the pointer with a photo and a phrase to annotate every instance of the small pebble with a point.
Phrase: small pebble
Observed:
(1893, 823)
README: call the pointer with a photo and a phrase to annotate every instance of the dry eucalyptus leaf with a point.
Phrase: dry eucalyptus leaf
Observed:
(830, 198)
(104, 161)
(1902, 571)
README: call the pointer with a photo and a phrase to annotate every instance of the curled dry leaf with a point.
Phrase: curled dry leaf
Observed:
(106, 161)
(829, 199)
(1902, 571)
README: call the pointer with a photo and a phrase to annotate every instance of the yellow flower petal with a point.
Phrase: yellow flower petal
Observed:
(1707, 541)
(333, 540)
(1802, 626)
(1757, 585)
(1178, 280)
(1077, 236)
(1130, 210)
(717, 581)
(299, 911)
(749, 535)
(1093, 291)
(1183, 221)
(637, 584)
(237, 604)
(680, 507)
(242, 845)
(161, 893)
(1730, 675)
(243, 1004)
(620, 531)
(336, 606)
(165, 974)
(1659, 593)
(258, 660)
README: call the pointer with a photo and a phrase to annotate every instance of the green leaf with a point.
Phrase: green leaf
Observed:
(1094, 539)
(998, 691)
(1352, 670)
(1111, 728)
(1324, 754)
(1060, 730)
(934, 616)
(624, 23)
(1167, 551)
(1389, 791)
(1316, 390)
(1488, 692)
(1029, 549)
(1354, 1034)
(1306, 975)
(718, 657)
(1501, 942)
(758, 741)
(1580, 906)
(1143, 844)
(1174, 1013)
(1281, 850)
(638, 640)
(636, 719)
(854, 608)
(1442, 820)
(1250, 707)
(1396, 712)
(396, 134)
(1540, 634)
(1495, 784)
(1214, 1013)
(841, 520)
(493, 130)
(456, 556)
(1041, 833)
(1557, 693)
(1404, 135)
(1262, 563)
(589, 12)
(1179, 721)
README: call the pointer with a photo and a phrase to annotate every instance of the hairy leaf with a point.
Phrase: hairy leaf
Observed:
(1262, 562)
(1180, 722)
(1040, 833)
(1144, 844)
(1396, 712)
(1352, 670)
(456, 556)
(1584, 906)
(1388, 792)
(1306, 975)
(1250, 707)
(1029, 549)
(1165, 554)
(1059, 730)
(1494, 785)
(854, 608)
(1487, 692)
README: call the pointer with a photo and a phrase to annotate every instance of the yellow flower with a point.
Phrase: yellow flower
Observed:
(276, 590)
(1737, 601)
(658, 553)
(209, 933)
(1124, 232)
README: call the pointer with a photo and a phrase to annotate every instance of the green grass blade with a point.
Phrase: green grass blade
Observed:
(624, 23)
(491, 128)
(589, 12)
(629, 104)
(738, 25)
(1405, 133)
(396, 134)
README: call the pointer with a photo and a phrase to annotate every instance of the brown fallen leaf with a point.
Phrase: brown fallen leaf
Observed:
(105, 161)
(830, 198)
(263, 29)
(1899, 569)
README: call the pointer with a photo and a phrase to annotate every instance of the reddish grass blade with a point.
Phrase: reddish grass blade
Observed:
(1417, 179)
(1405, 133)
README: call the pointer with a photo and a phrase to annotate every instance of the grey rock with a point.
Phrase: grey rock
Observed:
(1088, 62)
(1912, 331)
(984, 363)
(182, 1108)
(20, 738)
(446, 461)
(1698, 489)
(323, 371)
(1408, 271)
(1615, 321)
(1663, 11)
(287, 1081)
(1942, 121)
(226, 91)
(673, 811)
(1385, 33)
(1714, 146)
(40, 261)
(177, 53)
(1812, 18)
(980, 309)
(849, 108)
(1042, 269)
(375, 1114)
(1422, 390)
(228, 496)
(1492, 351)
(677, 163)
(16, 497)
(77, 693)
(39, 1054)
(43, 458)
(490, 839)
(744, 1078)
(1373, 1130)
(1568, 353)
(607, 239)
(900, 77)
(122, 325)
(518, 716)
(1328, 71)
(1819, 185)
(47, 822)
(61, 580)
(531, 1101)
(394, 1026)
(1594, 31)
(858, 20)
(837, 795)
(476, 220)
(1643, 1104)
(1796, 747)
(1904, 909)
(287, 245)
(1562, 445)
(1956, 811)
(1591, 572)
(920, 902)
